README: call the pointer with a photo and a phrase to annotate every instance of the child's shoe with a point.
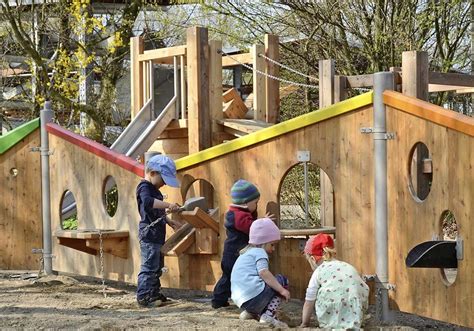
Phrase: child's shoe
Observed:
(217, 305)
(267, 319)
(245, 315)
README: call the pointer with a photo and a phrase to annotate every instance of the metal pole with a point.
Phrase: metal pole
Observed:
(382, 81)
(46, 116)
(306, 193)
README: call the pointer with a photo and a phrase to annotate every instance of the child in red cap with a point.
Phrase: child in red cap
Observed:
(335, 291)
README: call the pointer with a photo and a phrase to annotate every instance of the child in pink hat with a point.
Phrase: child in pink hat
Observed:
(254, 288)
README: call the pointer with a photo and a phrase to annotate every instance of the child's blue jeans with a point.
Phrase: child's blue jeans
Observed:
(258, 304)
(150, 270)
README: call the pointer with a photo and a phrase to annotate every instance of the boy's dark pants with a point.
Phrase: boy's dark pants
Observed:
(222, 289)
(150, 270)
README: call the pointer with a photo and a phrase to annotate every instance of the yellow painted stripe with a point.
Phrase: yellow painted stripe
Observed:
(276, 130)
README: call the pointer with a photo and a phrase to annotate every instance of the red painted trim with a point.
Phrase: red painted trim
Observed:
(94, 147)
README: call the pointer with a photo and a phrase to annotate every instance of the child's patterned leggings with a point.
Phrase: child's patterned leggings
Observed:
(272, 306)
(275, 302)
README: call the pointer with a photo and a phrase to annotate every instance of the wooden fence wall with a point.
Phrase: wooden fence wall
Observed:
(20, 204)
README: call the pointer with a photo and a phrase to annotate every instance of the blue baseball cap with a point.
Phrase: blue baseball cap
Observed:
(166, 167)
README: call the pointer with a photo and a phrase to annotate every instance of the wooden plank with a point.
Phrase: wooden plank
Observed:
(77, 244)
(246, 58)
(230, 95)
(244, 126)
(272, 102)
(205, 242)
(200, 219)
(97, 149)
(451, 79)
(357, 81)
(177, 124)
(340, 88)
(444, 88)
(430, 112)
(307, 232)
(259, 88)
(182, 246)
(326, 98)
(117, 246)
(465, 90)
(199, 122)
(176, 238)
(136, 75)
(234, 107)
(415, 74)
(215, 84)
(90, 234)
(162, 53)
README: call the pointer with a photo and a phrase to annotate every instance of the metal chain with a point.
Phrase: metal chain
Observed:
(268, 75)
(288, 68)
(101, 255)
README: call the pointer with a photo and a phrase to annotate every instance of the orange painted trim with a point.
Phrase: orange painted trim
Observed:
(428, 111)
(100, 150)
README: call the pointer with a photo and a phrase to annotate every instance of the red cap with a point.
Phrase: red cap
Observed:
(314, 246)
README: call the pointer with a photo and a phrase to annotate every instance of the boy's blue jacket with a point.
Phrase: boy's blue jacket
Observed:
(146, 195)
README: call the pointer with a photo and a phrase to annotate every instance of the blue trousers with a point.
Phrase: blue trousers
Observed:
(150, 270)
(222, 289)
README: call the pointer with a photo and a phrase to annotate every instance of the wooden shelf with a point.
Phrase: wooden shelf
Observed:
(200, 219)
(87, 241)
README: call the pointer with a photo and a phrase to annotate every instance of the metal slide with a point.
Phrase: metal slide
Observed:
(138, 136)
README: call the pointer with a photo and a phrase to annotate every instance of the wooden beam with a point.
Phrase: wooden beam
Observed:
(199, 219)
(174, 240)
(162, 53)
(340, 88)
(465, 90)
(272, 85)
(326, 98)
(449, 119)
(246, 58)
(136, 75)
(449, 78)
(307, 232)
(360, 81)
(199, 123)
(259, 88)
(244, 126)
(444, 88)
(326, 83)
(415, 74)
(215, 84)
(113, 246)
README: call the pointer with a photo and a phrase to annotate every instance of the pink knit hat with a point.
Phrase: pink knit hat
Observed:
(263, 231)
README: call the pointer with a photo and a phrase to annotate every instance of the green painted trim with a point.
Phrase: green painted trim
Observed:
(276, 130)
(14, 136)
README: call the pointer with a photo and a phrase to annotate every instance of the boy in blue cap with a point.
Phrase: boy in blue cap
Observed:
(160, 170)
(242, 212)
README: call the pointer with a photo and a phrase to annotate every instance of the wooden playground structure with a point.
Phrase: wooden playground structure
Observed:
(204, 129)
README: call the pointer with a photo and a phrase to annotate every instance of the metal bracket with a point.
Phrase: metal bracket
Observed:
(40, 251)
(42, 151)
(303, 156)
(378, 135)
(459, 248)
